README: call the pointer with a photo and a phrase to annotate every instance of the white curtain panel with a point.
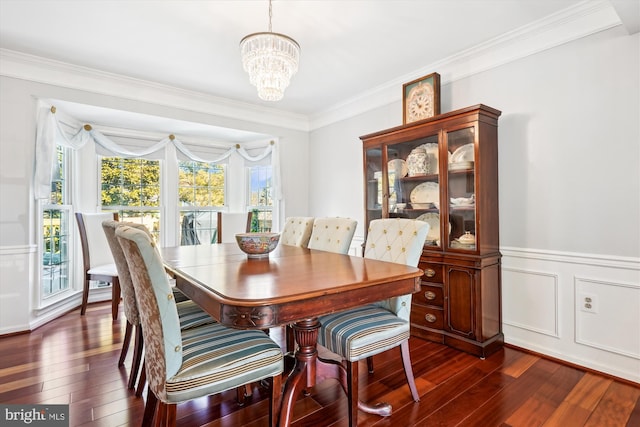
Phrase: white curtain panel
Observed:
(50, 131)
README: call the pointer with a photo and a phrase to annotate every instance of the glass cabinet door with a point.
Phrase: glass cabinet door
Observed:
(374, 189)
(414, 183)
(461, 191)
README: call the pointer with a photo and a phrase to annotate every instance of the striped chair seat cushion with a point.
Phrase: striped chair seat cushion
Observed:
(191, 315)
(362, 332)
(216, 358)
(178, 296)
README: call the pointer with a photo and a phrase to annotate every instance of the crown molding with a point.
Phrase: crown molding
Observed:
(579, 21)
(43, 70)
(584, 19)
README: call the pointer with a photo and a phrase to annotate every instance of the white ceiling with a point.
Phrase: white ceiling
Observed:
(348, 46)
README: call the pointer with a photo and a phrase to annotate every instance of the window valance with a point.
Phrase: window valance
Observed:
(52, 131)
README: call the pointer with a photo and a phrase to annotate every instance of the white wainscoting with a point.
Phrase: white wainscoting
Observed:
(16, 280)
(581, 308)
(602, 307)
(19, 282)
(523, 311)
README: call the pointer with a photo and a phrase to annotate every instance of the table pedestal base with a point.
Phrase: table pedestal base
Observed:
(309, 369)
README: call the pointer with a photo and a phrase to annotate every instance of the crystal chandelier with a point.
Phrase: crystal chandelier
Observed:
(271, 59)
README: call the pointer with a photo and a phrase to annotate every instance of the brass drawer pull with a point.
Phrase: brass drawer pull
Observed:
(430, 295)
(430, 318)
(429, 272)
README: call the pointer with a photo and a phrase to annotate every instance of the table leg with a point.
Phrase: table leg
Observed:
(303, 374)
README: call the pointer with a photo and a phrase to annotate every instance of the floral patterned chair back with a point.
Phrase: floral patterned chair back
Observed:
(158, 312)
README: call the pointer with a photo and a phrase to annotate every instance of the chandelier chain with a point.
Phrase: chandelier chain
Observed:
(270, 16)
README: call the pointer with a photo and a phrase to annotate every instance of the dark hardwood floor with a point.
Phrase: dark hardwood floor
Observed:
(73, 360)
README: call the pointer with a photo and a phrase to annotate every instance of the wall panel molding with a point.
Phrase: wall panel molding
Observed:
(542, 291)
(604, 337)
(628, 263)
(612, 318)
(16, 279)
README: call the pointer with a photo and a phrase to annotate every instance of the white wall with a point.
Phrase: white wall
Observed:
(569, 160)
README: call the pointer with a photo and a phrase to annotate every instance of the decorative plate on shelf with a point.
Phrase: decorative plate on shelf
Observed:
(432, 156)
(427, 192)
(433, 219)
(463, 154)
(398, 166)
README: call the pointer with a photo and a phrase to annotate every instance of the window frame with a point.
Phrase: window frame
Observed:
(45, 300)
(146, 210)
(260, 208)
(209, 210)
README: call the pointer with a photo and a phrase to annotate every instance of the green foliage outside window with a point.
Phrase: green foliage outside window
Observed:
(130, 182)
(200, 184)
(131, 187)
(260, 197)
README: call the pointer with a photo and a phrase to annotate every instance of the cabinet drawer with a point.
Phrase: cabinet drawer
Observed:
(430, 317)
(430, 295)
(432, 272)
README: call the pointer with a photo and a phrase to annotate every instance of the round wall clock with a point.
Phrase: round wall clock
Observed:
(420, 102)
(421, 98)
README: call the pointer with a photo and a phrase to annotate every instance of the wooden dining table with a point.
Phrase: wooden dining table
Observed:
(292, 286)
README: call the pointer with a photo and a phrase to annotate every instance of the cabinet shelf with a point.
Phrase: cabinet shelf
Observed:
(420, 178)
(421, 210)
(459, 303)
(461, 172)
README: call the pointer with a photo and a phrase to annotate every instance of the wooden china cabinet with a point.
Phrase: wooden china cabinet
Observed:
(444, 171)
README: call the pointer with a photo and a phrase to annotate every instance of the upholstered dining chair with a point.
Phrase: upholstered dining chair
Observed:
(189, 313)
(187, 364)
(98, 263)
(332, 234)
(297, 231)
(362, 332)
(231, 223)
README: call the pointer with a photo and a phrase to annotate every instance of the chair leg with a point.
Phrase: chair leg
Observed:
(275, 399)
(142, 381)
(85, 296)
(115, 297)
(370, 364)
(149, 409)
(165, 414)
(125, 343)
(161, 415)
(171, 412)
(408, 370)
(352, 392)
(290, 339)
(137, 357)
(241, 395)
